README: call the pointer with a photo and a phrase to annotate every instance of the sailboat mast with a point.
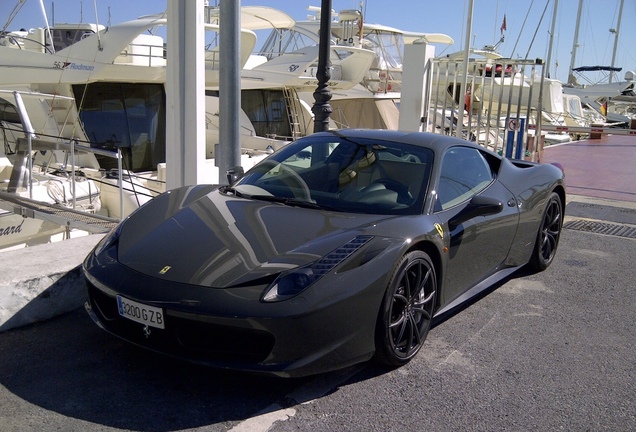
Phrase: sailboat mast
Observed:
(552, 30)
(616, 33)
(48, 29)
(575, 45)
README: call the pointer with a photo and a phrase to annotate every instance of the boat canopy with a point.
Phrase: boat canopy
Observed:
(597, 69)
(259, 18)
(441, 38)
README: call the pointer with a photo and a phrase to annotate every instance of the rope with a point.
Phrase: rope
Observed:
(55, 190)
(14, 12)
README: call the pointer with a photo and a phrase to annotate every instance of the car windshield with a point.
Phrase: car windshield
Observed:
(343, 174)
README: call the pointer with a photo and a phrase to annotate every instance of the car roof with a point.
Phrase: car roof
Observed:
(436, 142)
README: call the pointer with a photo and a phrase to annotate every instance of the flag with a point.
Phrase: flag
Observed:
(503, 25)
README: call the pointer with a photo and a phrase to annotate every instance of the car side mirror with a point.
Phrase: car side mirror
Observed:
(478, 206)
(234, 173)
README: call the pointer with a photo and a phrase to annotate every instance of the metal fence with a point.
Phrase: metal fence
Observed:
(495, 102)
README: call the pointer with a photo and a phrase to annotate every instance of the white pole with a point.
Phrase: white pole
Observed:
(469, 32)
(616, 33)
(575, 45)
(30, 134)
(552, 30)
(48, 29)
(185, 94)
(413, 107)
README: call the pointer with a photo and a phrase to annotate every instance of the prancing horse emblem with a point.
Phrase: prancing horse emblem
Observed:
(146, 331)
(440, 230)
(165, 270)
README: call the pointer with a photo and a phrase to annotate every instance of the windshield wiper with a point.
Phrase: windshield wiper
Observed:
(231, 190)
(291, 202)
(282, 200)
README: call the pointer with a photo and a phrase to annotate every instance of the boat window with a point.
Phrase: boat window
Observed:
(129, 116)
(8, 113)
(389, 48)
(281, 41)
(267, 110)
(573, 106)
(63, 38)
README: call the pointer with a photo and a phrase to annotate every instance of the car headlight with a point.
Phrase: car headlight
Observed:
(290, 283)
(293, 282)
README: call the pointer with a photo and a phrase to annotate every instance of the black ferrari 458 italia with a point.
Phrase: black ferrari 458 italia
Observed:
(340, 247)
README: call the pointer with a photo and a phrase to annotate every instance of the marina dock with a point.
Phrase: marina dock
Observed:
(598, 168)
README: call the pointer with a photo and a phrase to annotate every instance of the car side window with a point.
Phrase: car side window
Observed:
(465, 172)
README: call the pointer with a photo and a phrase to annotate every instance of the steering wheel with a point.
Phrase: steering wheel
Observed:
(296, 184)
(404, 196)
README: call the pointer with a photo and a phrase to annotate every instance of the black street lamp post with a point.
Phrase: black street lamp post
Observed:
(322, 109)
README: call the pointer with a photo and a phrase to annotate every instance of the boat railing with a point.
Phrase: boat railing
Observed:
(149, 54)
(383, 79)
(211, 59)
(23, 163)
(24, 43)
(143, 54)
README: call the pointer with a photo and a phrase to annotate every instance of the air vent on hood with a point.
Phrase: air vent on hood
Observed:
(337, 256)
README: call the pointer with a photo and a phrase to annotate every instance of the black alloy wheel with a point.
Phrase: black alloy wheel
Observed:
(407, 310)
(548, 236)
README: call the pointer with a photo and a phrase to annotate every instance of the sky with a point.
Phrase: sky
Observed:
(527, 34)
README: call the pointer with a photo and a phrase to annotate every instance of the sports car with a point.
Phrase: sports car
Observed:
(341, 247)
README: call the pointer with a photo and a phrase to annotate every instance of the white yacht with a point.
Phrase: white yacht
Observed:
(101, 91)
(374, 102)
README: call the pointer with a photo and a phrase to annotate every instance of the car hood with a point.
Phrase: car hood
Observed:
(221, 241)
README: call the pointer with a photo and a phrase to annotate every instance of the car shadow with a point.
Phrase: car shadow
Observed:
(69, 366)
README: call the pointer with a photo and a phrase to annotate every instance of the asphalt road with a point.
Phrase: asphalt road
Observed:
(545, 352)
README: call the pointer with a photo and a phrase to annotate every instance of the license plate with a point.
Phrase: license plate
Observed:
(141, 313)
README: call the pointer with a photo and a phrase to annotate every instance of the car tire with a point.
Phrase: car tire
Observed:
(407, 309)
(548, 236)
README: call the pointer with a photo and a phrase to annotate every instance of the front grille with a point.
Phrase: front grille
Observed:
(106, 304)
(182, 337)
(223, 342)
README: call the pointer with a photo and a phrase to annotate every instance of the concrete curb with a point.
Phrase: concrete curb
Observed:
(40, 282)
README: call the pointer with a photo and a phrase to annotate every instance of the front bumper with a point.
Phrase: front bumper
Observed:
(330, 326)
